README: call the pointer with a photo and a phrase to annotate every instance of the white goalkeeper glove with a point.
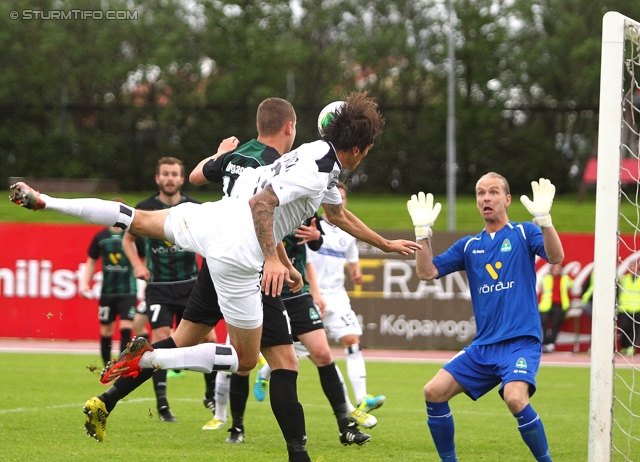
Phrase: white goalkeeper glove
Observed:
(540, 207)
(423, 213)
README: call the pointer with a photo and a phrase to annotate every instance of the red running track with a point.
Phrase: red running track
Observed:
(426, 356)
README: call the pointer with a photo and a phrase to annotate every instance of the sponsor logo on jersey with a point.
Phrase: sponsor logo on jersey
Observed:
(332, 252)
(115, 268)
(493, 272)
(506, 246)
(115, 257)
(234, 169)
(163, 250)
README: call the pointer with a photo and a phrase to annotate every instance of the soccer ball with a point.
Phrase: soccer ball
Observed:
(327, 114)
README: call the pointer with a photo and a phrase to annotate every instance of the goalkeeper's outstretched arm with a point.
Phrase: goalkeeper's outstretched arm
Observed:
(425, 268)
(540, 208)
(552, 245)
(423, 215)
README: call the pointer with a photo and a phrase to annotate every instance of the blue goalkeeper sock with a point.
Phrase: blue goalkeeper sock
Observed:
(532, 431)
(440, 423)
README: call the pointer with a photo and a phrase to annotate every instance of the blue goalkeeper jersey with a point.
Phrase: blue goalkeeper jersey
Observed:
(502, 279)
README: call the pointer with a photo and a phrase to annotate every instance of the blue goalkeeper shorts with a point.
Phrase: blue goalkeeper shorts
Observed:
(479, 368)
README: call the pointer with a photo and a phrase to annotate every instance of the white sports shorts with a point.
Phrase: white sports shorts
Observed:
(223, 233)
(340, 320)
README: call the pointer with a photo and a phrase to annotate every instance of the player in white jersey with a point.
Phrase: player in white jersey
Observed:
(340, 320)
(238, 236)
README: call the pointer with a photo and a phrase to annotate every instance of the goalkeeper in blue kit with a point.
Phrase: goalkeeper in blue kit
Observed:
(500, 266)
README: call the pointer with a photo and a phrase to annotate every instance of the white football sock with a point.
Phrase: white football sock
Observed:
(223, 385)
(265, 372)
(357, 371)
(205, 357)
(98, 211)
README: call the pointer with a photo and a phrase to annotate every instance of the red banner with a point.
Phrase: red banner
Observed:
(41, 267)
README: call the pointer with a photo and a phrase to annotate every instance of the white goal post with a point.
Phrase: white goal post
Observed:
(618, 85)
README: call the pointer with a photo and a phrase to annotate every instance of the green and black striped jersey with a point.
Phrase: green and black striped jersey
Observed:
(228, 167)
(166, 262)
(117, 273)
(297, 255)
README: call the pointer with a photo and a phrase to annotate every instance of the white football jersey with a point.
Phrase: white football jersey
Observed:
(338, 247)
(303, 179)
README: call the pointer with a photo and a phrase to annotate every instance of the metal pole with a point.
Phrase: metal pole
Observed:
(451, 123)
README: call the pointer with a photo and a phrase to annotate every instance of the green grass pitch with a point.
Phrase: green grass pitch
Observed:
(41, 396)
(41, 417)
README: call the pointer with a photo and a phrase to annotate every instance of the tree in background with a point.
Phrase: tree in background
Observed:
(105, 99)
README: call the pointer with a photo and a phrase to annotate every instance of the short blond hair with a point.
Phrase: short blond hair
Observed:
(273, 114)
(503, 180)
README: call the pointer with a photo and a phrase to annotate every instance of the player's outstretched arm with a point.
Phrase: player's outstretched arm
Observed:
(348, 222)
(552, 245)
(196, 177)
(423, 215)
(540, 208)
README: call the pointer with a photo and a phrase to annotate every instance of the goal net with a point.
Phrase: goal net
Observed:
(614, 414)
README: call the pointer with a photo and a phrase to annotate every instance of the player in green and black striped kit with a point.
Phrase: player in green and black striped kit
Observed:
(227, 167)
(170, 272)
(118, 290)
